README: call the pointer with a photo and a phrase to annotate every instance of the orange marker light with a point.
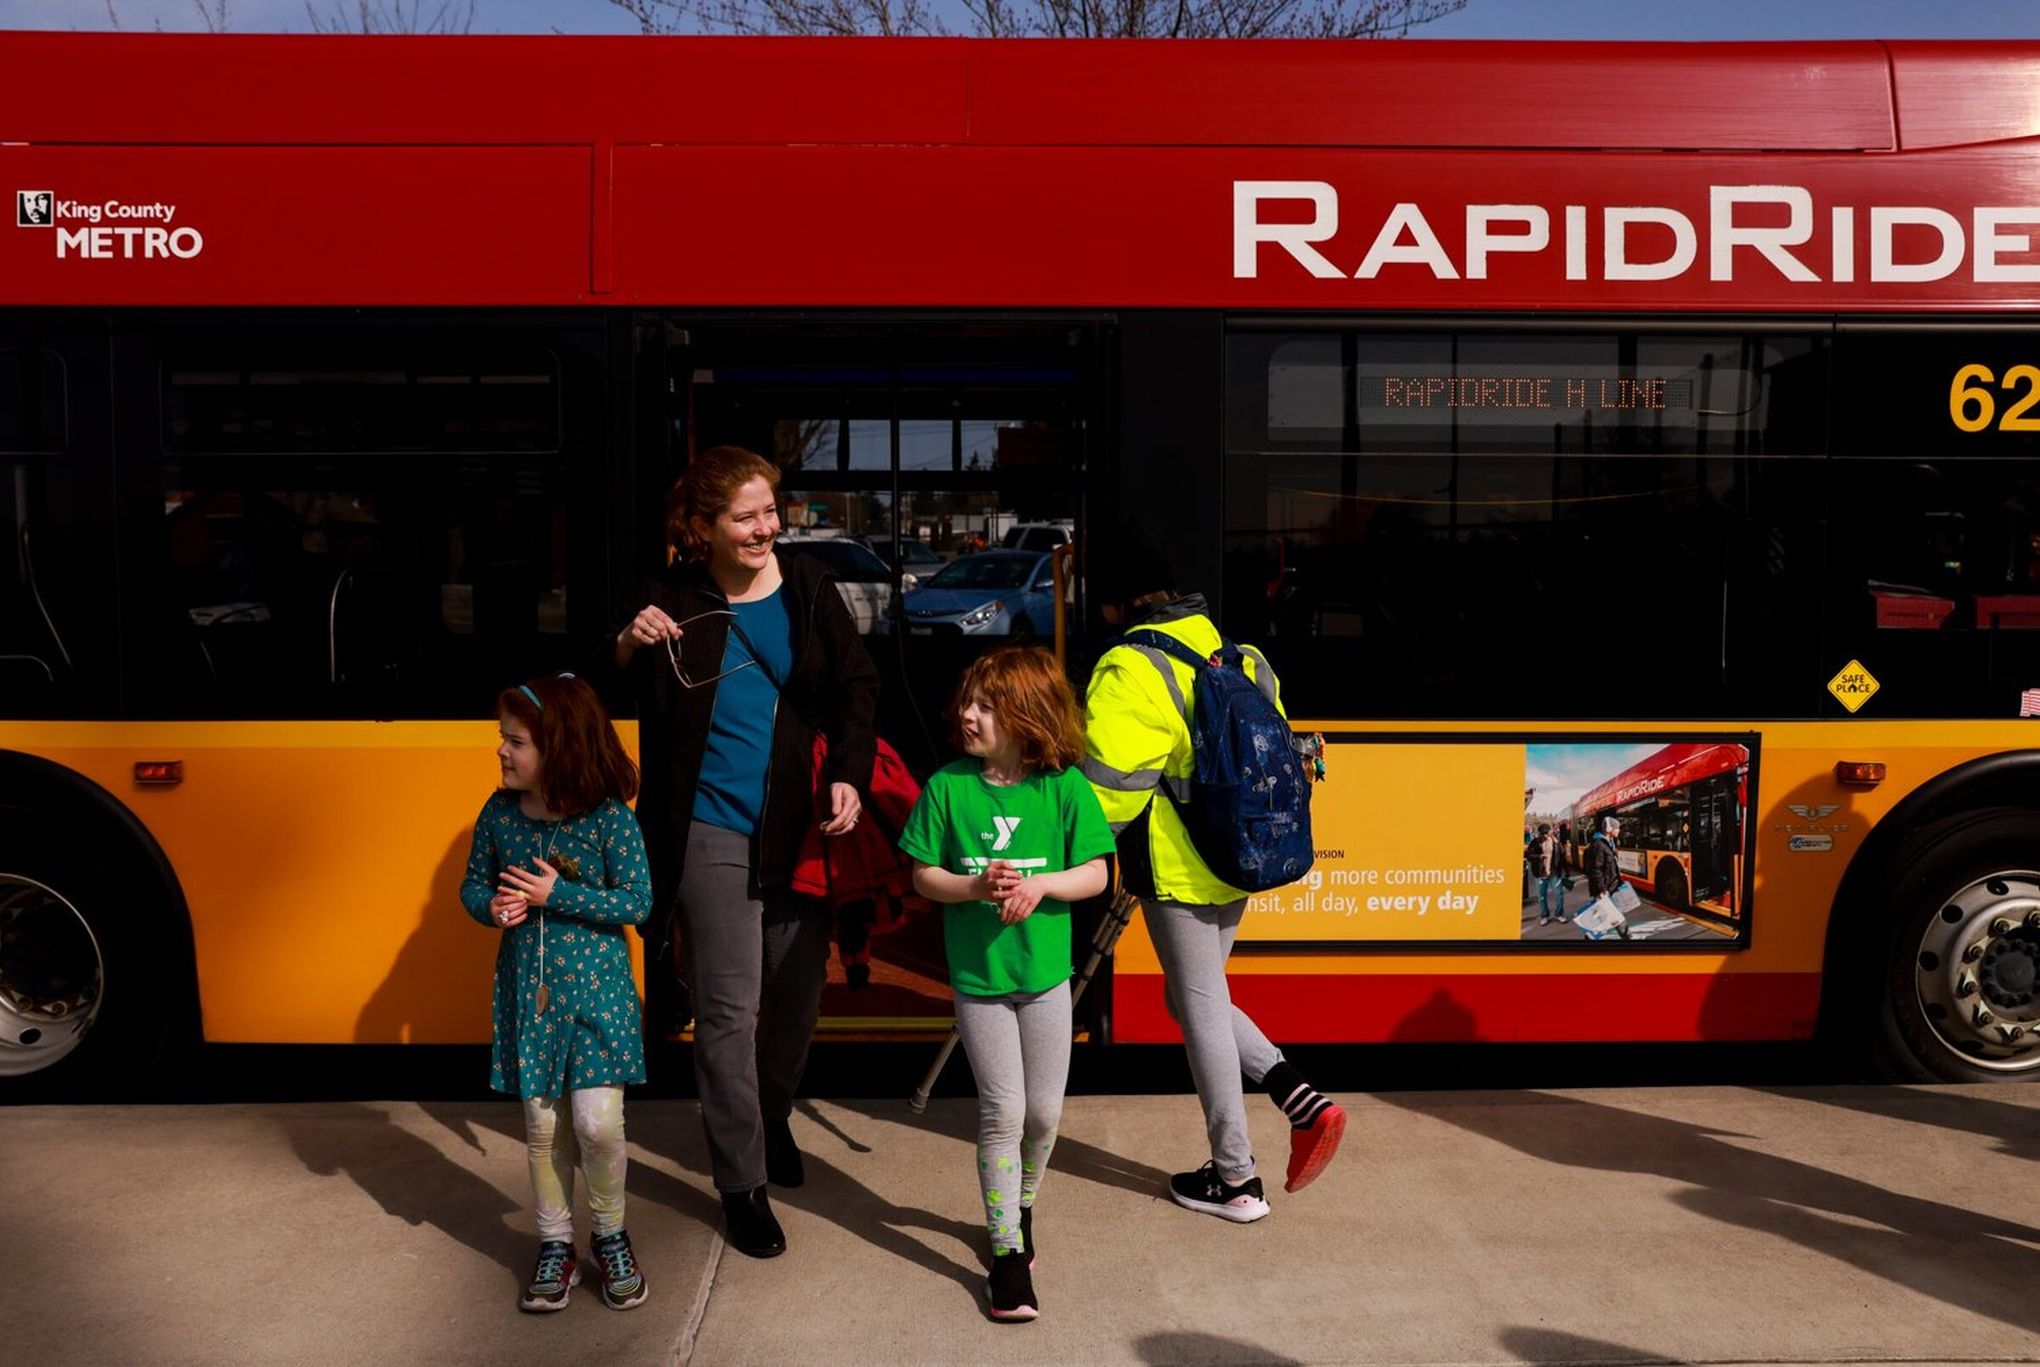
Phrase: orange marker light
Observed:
(1859, 773)
(159, 773)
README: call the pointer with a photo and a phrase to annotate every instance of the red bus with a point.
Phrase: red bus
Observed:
(1517, 399)
(1680, 813)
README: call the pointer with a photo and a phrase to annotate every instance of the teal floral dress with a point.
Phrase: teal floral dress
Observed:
(590, 1034)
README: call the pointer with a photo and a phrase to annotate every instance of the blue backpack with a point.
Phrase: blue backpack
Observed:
(1247, 804)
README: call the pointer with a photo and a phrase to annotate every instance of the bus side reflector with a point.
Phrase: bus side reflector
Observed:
(1857, 773)
(159, 773)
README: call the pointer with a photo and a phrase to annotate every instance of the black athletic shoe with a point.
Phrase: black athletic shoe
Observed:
(1027, 1236)
(783, 1167)
(555, 1276)
(1009, 1290)
(623, 1283)
(749, 1224)
(1204, 1190)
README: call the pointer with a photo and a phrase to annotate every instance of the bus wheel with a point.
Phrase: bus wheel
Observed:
(1670, 885)
(1962, 983)
(88, 995)
(52, 976)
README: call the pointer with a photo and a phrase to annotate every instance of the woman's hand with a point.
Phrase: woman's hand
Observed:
(534, 888)
(648, 628)
(845, 807)
(508, 909)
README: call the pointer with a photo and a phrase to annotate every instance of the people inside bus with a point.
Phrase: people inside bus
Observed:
(1007, 838)
(558, 868)
(1136, 735)
(1547, 865)
(738, 657)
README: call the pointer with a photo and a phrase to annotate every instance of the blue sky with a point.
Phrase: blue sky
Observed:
(1578, 19)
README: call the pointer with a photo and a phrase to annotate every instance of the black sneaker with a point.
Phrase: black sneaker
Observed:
(1010, 1290)
(1206, 1191)
(623, 1285)
(783, 1167)
(1027, 1235)
(558, 1273)
(749, 1224)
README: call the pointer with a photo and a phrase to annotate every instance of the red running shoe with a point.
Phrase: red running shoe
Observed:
(1312, 1148)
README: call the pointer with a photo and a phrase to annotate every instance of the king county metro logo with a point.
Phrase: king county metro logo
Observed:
(34, 209)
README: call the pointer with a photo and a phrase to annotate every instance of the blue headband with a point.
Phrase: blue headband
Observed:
(525, 689)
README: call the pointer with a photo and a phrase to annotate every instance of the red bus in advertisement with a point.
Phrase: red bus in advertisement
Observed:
(1640, 429)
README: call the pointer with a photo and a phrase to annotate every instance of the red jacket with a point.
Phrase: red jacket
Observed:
(865, 864)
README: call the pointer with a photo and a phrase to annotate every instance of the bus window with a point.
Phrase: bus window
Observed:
(1529, 524)
(361, 539)
(32, 414)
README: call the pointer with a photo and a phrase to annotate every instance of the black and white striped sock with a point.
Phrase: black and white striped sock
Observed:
(1300, 1101)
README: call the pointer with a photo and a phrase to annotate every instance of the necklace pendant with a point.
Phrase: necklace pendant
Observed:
(544, 999)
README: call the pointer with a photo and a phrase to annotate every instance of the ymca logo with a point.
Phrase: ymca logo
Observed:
(1007, 825)
(35, 209)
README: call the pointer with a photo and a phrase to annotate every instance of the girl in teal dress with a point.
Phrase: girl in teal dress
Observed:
(558, 867)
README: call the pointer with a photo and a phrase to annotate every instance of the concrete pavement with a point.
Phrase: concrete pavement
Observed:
(1615, 1226)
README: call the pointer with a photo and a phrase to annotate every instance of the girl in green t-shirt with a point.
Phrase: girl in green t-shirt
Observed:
(1008, 839)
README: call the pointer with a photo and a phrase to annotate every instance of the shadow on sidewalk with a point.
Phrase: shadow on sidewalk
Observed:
(1183, 1345)
(2015, 1128)
(1964, 1258)
(833, 1195)
(642, 1183)
(1556, 1348)
(409, 1178)
(1072, 1156)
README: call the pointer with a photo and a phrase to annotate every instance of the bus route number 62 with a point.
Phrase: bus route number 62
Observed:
(1971, 405)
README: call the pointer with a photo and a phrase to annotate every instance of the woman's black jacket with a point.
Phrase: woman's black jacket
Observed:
(833, 688)
(1603, 870)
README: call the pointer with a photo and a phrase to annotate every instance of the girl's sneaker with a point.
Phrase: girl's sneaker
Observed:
(557, 1274)
(1010, 1290)
(1027, 1235)
(1206, 1191)
(623, 1285)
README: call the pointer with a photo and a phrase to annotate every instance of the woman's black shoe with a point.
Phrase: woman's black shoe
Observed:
(749, 1224)
(783, 1167)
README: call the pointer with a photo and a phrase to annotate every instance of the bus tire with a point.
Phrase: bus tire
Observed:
(1960, 1002)
(1669, 887)
(95, 951)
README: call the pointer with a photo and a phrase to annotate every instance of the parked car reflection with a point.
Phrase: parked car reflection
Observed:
(862, 579)
(992, 593)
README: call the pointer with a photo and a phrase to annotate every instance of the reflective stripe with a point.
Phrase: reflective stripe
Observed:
(1119, 827)
(1120, 780)
(1177, 788)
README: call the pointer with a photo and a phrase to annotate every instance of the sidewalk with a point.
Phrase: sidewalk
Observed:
(1698, 1225)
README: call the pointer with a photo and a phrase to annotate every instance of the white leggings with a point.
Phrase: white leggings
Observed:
(1019, 1051)
(597, 1132)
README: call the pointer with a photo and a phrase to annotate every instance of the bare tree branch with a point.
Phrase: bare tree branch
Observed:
(1048, 18)
(390, 16)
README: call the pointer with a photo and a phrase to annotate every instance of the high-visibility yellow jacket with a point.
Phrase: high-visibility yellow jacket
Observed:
(1137, 749)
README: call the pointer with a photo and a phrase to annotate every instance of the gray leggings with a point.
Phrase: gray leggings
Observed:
(757, 970)
(1193, 944)
(1019, 1051)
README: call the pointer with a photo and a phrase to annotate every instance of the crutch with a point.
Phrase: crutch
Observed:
(1110, 927)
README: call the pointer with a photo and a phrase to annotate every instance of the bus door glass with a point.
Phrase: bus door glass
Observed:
(57, 542)
(1713, 839)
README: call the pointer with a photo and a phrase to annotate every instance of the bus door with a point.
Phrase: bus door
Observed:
(934, 466)
(56, 506)
(1714, 842)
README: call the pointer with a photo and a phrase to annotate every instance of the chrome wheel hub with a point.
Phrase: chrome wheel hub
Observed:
(1977, 973)
(52, 977)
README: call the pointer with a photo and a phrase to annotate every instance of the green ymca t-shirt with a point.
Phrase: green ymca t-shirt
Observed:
(1044, 824)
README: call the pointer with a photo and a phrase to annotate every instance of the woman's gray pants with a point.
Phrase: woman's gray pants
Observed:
(1193, 944)
(756, 969)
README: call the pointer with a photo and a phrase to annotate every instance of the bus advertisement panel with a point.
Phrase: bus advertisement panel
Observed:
(1426, 841)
